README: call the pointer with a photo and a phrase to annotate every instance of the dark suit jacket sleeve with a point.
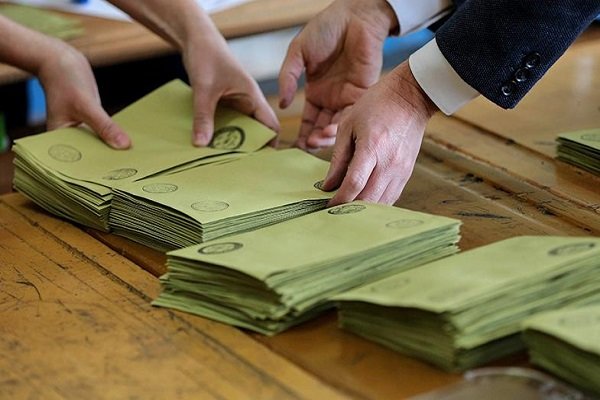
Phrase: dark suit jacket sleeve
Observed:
(503, 47)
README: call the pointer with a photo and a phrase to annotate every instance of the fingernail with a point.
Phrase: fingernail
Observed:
(329, 186)
(332, 202)
(200, 140)
(122, 142)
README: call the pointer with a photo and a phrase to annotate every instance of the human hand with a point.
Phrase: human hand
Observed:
(217, 77)
(341, 49)
(72, 96)
(378, 140)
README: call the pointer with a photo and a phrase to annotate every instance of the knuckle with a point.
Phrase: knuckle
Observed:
(337, 157)
(201, 114)
(354, 181)
(106, 130)
(397, 159)
(368, 197)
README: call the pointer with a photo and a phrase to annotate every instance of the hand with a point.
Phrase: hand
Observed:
(72, 95)
(341, 49)
(379, 139)
(216, 77)
(214, 73)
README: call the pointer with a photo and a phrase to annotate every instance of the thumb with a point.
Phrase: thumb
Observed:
(292, 68)
(107, 129)
(265, 114)
(204, 112)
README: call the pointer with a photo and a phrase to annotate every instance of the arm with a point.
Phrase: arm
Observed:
(71, 92)
(341, 50)
(378, 140)
(501, 48)
(487, 47)
(214, 74)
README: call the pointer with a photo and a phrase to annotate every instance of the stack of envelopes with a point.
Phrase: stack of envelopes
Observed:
(201, 204)
(47, 22)
(276, 277)
(465, 310)
(567, 343)
(581, 148)
(71, 173)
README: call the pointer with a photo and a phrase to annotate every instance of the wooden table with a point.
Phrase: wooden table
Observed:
(75, 319)
(109, 42)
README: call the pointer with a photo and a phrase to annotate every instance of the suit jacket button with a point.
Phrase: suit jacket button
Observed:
(508, 89)
(532, 60)
(521, 75)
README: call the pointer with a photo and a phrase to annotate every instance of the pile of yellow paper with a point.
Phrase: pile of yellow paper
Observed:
(567, 343)
(201, 204)
(581, 148)
(465, 310)
(72, 173)
(272, 278)
(47, 22)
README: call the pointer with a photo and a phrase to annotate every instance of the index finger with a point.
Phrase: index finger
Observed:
(357, 176)
(290, 72)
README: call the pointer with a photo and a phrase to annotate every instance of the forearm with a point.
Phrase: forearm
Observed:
(176, 21)
(501, 48)
(27, 49)
(410, 93)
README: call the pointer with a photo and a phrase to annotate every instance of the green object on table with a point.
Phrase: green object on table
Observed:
(72, 173)
(4, 139)
(44, 21)
(201, 204)
(465, 310)
(581, 148)
(272, 278)
(567, 343)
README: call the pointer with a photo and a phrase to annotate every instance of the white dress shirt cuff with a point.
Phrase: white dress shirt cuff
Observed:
(415, 15)
(439, 80)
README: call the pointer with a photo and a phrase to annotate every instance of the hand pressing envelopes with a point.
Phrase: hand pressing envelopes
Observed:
(72, 173)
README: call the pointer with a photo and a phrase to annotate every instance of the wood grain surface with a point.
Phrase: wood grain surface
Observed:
(76, 322)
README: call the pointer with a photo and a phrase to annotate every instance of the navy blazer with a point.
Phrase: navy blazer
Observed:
(503, 47)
